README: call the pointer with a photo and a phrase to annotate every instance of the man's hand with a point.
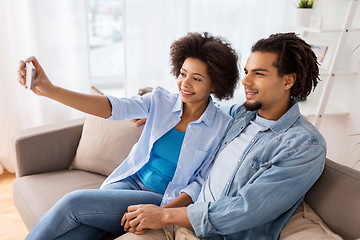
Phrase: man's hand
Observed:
(139, 218)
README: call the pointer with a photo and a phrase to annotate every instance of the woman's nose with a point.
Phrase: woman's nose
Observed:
(186, 81)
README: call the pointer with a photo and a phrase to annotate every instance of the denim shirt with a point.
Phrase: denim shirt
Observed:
(163, 111)
(270, 180)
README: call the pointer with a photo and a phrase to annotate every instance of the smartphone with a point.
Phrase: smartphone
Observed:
(30, 75)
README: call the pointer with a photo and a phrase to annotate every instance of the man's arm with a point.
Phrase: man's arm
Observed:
(280, 186)
(272, 191)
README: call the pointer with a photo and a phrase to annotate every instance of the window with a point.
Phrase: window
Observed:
(105, 33)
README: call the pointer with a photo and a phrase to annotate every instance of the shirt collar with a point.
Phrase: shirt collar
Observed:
(285, 122)
(208, 115)
(178, 105)
(288, 119)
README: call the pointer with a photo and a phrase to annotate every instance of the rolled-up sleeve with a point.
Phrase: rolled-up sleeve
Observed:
(192, 190)
(130, 108)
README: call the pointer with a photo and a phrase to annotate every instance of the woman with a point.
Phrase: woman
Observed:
(172, 157)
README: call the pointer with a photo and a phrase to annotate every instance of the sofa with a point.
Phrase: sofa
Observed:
(53, 160)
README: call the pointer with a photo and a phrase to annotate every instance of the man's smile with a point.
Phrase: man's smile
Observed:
(250, 93)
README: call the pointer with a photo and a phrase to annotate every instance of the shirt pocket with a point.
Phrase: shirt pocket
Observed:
(256, 164)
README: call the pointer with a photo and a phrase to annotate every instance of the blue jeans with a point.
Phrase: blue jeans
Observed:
(93, 213)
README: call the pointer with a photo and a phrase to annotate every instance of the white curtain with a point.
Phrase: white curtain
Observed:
(54, 32)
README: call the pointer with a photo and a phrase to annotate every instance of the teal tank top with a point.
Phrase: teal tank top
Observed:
(159, 170)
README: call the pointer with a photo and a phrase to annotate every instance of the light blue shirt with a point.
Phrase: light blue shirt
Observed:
(163, 111)
(276, 169)
(159, 170)
(228, 158)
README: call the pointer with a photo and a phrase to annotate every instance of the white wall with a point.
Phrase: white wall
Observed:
(349, 154)
(337, 130)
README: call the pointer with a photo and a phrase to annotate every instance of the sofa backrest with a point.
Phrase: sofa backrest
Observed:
(335, 197)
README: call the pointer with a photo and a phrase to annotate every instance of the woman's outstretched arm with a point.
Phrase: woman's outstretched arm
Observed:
(92, 104)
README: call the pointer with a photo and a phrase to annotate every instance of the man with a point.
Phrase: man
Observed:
(268, 160)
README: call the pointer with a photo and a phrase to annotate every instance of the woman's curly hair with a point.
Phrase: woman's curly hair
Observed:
(220, 58)
(294, 56)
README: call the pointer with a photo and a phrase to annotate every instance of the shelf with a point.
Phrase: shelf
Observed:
(321, 107)
(308, 109)
(327, 30)
(324, 72)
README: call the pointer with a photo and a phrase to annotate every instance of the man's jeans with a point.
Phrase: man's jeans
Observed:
(93, 213)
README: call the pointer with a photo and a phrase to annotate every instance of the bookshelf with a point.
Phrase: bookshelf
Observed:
(316, 108)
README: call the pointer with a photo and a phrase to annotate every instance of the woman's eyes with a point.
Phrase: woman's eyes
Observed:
(194, 78)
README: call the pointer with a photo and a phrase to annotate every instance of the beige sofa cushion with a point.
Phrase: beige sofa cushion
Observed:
(104, 144)
(35, 194)
(306, 224)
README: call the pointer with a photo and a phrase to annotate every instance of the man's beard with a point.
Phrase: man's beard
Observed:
(252, 106)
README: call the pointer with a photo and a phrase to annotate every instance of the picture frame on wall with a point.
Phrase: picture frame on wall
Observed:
(324, 51)
(315, 22)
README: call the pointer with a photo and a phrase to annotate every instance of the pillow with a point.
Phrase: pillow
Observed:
(104, 144)
(306, 224)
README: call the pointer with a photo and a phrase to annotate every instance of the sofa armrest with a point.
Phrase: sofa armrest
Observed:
(46, 148)
(335, 198)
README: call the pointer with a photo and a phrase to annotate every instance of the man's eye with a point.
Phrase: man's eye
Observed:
(259, 74)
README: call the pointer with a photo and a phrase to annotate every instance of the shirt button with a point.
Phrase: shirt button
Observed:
(184, 145)
(253, 140)
(228, 183)
(225, 142)
(179, 167)
(239, 160)
(189, 126)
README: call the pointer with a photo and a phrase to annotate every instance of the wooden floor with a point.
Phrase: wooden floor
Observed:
(11, 225)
